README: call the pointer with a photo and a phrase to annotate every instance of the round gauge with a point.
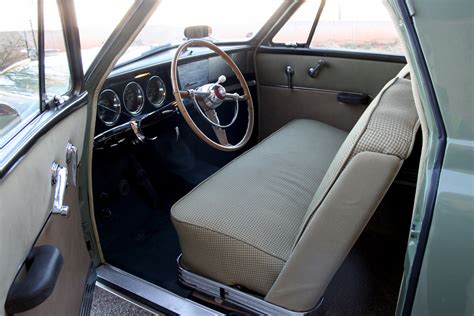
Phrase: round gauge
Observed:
(133, 98)
(156, 91)
(108, 107)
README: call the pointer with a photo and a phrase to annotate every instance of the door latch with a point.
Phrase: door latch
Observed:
(59, 181)
(72, 163)
(313, 71)
(289, 75)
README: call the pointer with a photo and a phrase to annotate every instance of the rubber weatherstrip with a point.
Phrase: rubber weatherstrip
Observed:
(438, 161)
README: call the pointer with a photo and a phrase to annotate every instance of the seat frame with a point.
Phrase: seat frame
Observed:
(253, 304)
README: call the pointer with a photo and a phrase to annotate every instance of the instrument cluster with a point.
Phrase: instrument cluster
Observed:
(130, 100)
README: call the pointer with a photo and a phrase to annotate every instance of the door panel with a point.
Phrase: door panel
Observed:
(26, 202)
(316, 98)
(281, 105)
(66, 298)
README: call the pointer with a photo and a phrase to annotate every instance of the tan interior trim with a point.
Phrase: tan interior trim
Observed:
(26, 194)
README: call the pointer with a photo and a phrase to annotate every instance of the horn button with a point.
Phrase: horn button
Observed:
(215, 97)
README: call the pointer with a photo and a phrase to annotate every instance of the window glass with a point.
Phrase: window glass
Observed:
(229, 20)
(297, 29)
(96, 21)
(362, 25)
(56, 64)
(19, 88)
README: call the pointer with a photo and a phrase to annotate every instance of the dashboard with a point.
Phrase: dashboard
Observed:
(142, 88)
(132, 96)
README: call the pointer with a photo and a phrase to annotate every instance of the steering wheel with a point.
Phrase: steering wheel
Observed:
(209, 97)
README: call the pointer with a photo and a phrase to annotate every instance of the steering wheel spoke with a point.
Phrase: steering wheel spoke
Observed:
(233, 96)
(188, 94)
(220, 132)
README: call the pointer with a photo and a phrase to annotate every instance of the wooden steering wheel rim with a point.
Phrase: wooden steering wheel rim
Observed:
(185, 113)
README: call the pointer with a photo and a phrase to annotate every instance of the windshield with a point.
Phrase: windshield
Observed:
(229, 21)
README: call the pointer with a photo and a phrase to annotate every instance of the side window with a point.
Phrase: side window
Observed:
(362, 25)
(19, 69)
(296, 29)
(56, 64)
(19, 89)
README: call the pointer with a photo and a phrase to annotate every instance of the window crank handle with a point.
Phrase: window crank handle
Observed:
(313, 71)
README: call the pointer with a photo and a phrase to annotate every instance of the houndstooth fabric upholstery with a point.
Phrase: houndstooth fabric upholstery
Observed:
(388, 126)
(240, 226)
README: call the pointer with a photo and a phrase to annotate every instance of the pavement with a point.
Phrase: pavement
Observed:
(106, 303)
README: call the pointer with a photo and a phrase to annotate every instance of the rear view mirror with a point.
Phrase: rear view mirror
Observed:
(197, 31)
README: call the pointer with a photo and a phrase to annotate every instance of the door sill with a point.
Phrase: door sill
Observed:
(149, 294)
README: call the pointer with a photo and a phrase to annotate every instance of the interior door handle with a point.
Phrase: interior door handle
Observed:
(59, 180)
(43, 265)
(353, 98)
(289, 74)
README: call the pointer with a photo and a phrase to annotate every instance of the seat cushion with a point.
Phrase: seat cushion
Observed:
(238, 227)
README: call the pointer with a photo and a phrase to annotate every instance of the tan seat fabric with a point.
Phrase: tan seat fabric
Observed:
(388, 126)
(351, 190)
(280, 219)
(239, 226)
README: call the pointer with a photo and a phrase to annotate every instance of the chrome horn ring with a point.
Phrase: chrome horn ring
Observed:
(192, 94)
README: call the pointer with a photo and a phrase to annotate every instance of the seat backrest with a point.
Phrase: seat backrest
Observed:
(356, 181)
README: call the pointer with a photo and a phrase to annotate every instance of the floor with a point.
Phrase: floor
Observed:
(106, 303)
(134, 192)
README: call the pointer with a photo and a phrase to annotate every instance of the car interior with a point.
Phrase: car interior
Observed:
(280, 176)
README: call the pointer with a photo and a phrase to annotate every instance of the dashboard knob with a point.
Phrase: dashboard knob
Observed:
(221, 79)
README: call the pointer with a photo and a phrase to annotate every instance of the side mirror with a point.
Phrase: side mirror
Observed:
(197, 31)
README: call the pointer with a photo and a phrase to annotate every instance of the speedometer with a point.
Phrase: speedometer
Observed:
(156, 91)
(108, 107)
(133, 98)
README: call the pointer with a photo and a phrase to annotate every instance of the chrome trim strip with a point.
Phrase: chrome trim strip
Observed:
(249, 302)
(126, 298)
(151, 294)
(307, 89)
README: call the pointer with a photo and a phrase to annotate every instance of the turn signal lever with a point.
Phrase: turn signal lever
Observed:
(289, 75)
